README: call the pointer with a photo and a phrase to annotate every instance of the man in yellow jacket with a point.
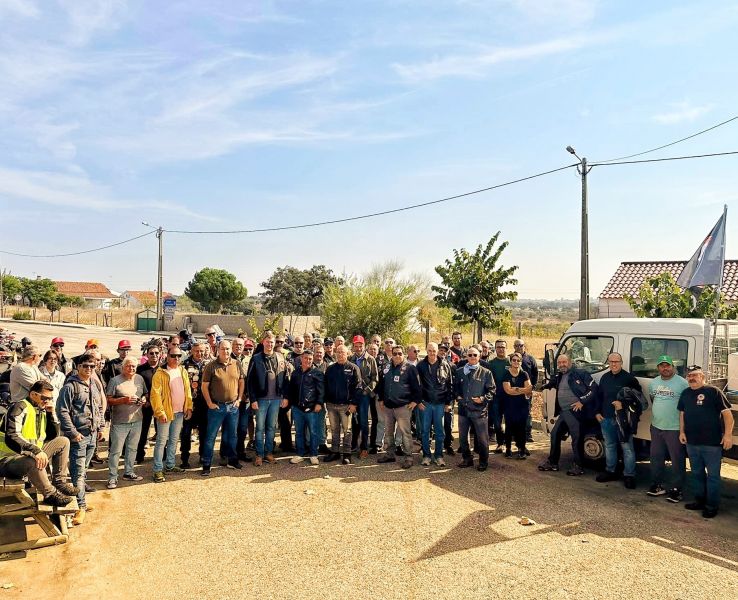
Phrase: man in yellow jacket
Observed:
(171, 402)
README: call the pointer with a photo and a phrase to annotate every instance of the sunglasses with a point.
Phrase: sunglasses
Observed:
(299, 343)
(57, 345)
(471, 355)
(174, 355)
(93, 347)
(514, 360)
(249, 349)
(397, 354)
(279, 342)
(87, 366)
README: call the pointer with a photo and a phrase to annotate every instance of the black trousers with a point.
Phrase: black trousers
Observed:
(567, 422)
(375, 420)
(515, 430)
(148, 416)
(285, 429)
(198, 421)
(448, 423)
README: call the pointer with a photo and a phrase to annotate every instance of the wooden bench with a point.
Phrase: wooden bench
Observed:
(18, 509)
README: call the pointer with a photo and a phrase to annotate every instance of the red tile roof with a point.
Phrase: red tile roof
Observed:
(630, 276)
(85, 289)
(145, 296)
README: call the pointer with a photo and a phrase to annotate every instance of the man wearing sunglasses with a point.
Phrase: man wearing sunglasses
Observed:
(78, 411)
(91, 344)
(212, 337)
(64, 364)
(147, 370)
(30, 439)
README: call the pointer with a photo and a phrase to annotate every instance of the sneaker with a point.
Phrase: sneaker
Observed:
(314, 460)
(205, 472)
(450, 451)
(373, 450)
(508, 454)
(465, 463)
(89, 489)
(296, 460)
(132, 477)
(158, 477)
(547, 465)
(522, 455)
(270, 459)
(696, 505)
(331, 456)
(440, 462)
(185, 465)
(234, 464)
(223, 462)
(426, 461)
(258, 461)
(112, 484)
(387, 458)
(66, 488)
(56, 498)
(674, 495)
(656, 490)
(629, 482)
(347, 460)
(174, 469)
(498, 450)
(575, 470)
(407, 463)
(482, 467)
(710, 513)
(364, 454)
(79, 517)
(96, 460)
(606, 476)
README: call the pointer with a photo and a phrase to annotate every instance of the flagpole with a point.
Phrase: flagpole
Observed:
(718, 295)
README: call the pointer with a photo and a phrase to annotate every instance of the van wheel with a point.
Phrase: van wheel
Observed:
(593, 451)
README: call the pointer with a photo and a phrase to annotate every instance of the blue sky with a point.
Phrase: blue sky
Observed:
(237, 115)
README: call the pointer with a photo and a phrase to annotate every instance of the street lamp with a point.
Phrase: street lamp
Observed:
(584, 284)
(159, 279)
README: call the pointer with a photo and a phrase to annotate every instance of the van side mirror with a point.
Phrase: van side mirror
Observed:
(548, 362)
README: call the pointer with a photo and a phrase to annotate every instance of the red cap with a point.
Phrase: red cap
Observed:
(57, 340)
(124, 344)
(359, 339)
(248, 344)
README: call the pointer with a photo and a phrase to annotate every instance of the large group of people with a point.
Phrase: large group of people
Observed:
(375, 398)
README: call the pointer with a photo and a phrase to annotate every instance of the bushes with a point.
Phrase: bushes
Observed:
(22, 315)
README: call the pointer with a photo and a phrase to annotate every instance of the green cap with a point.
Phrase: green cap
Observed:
(665, 359)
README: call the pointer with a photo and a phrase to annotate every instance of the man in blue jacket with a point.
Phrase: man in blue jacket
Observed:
(342, 388)
(575, 390)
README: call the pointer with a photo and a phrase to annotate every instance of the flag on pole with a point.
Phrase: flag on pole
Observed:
(706, 265)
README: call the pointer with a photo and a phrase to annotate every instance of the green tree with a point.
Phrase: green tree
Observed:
(212, 288)
(38, 291)
(11, 286)
(472, 286)
(660, 296)
(292, 291)
(383, 302)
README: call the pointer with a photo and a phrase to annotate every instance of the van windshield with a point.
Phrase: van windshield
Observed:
(588, 352)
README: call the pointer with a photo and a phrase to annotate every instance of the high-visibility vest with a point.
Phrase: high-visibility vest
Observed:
(33, 429)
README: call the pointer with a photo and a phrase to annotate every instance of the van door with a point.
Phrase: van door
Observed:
(640, 358)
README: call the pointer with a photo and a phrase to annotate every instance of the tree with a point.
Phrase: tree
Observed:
(212, 288)
(383, 302)
(38, 291)
(11, 285)
(660, 296)
(292, 291)
(472, 285)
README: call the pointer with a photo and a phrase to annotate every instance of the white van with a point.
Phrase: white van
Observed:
(641, 342)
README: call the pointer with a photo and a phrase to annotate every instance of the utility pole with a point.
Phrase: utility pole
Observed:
(583, 170)
(159, 277)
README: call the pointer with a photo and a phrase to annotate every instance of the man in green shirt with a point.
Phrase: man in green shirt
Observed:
(664, 392)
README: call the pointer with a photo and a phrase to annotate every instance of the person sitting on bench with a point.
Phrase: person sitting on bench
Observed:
(30, 439)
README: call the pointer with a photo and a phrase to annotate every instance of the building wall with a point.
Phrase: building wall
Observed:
(230, 324)
(614, 308)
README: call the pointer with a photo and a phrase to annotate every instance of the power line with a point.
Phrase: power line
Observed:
(689, 137)
(138, 237)
(380, 213)
(652, 160)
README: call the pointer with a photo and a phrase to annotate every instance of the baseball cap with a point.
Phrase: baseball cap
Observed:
(248, 344)
(328, 341)
(358, 339)
(665, 358)
(317, 340)
(124, 345)
(92, 342)
(57, 340)
(443, 345)
(308, 352)
(693, 368)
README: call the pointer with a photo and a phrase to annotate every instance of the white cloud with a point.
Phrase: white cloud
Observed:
(681, 112)
(88, 17)
(571, 12)
(21, 8)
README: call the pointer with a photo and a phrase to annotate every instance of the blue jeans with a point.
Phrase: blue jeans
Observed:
(363, 414)
(433, 415)
(610, 433)
(706, 462)
(266, 425)
(123, 435)
(80, 455)
(311, 420)
(227, 416)
(167, 435)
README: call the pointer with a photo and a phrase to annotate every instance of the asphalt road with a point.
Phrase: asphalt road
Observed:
(377, 531)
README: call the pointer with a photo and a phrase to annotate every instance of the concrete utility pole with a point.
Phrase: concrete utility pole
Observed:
(582, 169)
(159, 277)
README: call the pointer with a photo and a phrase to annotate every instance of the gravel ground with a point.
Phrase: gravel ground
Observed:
(377, 531)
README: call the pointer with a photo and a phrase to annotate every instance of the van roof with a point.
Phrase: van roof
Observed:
(637, 326)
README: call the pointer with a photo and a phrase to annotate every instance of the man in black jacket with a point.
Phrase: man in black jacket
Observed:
(369, 378)
(306, 396)
(194, 366)
(607, 401)
(342, 388)
(575, 390)
(400, 394)
(530, 366)
(436, 383)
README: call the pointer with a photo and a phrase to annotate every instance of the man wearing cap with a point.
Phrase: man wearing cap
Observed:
(706, 427)
(267, 384)
(530, 366)
(369, 379)
(64, 364)
(114, 367)
(607, 403)
(223, 388)
(342, 389)
(306, 398)
(329, 351)
(147, 370)
(665, 391)
(91, 344)
(245, 414)
(448, 416)
(25, 373)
